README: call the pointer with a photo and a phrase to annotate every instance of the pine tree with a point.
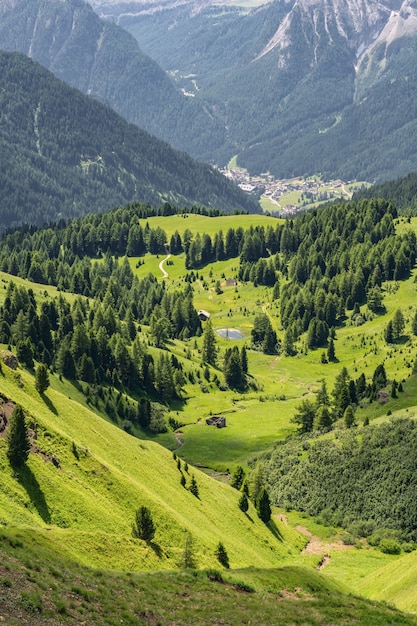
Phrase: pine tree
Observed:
(331, 353)
(238, 478)
(243, 502)
(41, 378)
(194, 487)
(389, 333)
(398, 324)
(18, 444)
(143, 526)
(222, 556)
(209, 353)
(349, 417)
(244, 360)
(263, 506)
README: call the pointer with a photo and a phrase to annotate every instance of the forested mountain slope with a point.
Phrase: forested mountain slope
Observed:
(402, 192)
(105, 61)
(64, 154)
(304, 87)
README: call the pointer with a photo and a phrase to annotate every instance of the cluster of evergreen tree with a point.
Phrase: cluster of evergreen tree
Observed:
(347, 394)
(98, 341)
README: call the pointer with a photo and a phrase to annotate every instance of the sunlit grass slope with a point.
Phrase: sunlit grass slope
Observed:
(395, 582)
(86, 479)
(39, 587)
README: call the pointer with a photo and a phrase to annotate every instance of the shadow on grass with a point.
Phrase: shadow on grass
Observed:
(49, 404)
(156, 548)
(275, 530)
(28, 480)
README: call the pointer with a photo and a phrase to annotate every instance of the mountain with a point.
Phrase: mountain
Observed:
(402, 192)
(64, 154)
(303, 86)
(103, 60)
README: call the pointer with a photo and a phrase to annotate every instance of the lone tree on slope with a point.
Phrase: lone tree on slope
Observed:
(143, 526)
(41, 378)
(18, 444)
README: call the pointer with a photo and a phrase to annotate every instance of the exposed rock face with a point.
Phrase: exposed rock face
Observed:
(9, 359)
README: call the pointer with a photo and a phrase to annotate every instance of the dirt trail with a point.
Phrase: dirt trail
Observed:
(316, 545)
(161, 266)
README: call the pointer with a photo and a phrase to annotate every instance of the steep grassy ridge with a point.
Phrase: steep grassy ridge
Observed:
(88, 503)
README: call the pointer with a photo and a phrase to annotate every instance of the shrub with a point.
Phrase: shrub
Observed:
(389, 546)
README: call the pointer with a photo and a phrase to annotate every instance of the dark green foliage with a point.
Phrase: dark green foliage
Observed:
(243, 503)
(398, 324)
(209, 353)
(84, 158)
(349, 417)
(41, 378)
(237, 478)
(304, 416)
(369, 477)
(331, 352)
(193, 488)
(24, 352)
(263, 506)
(233, 371)
(18, 444)
(143, 526)
(389, 333)
(221, 555)
(263, 335)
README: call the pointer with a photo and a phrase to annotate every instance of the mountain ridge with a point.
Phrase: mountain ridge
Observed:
(65, 154)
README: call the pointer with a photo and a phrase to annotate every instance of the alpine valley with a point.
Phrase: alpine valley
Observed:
(207, 413)
(303, 87)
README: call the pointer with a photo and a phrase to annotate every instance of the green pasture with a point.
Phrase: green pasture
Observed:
(204, 224)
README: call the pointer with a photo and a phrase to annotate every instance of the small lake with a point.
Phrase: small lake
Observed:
(229, 333)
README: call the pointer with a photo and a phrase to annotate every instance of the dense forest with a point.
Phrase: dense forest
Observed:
(323, 263)
(101, 59)
(365, 482)
(402, 192)
(64, 154)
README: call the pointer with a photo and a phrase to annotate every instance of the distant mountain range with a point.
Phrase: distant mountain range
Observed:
(291, 87)
(63, 154)
(303, 86)
(103, 60)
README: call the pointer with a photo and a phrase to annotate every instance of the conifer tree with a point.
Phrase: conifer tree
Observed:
(209, 353)
(238, 478)
(331, 353)
(349, 417)
(263, 506)
(243, 502)
(222, 556)
(18, 444)
(41, 378)
(194, 487)
(143, 526)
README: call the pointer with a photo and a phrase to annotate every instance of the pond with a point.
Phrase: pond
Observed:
(229, 333)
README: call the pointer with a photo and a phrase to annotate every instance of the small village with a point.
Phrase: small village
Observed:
(290, 196)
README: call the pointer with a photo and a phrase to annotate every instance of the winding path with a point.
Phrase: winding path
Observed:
(161, 266)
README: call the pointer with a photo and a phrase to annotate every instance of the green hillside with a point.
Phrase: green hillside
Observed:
(88, 503)
(66, 536)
